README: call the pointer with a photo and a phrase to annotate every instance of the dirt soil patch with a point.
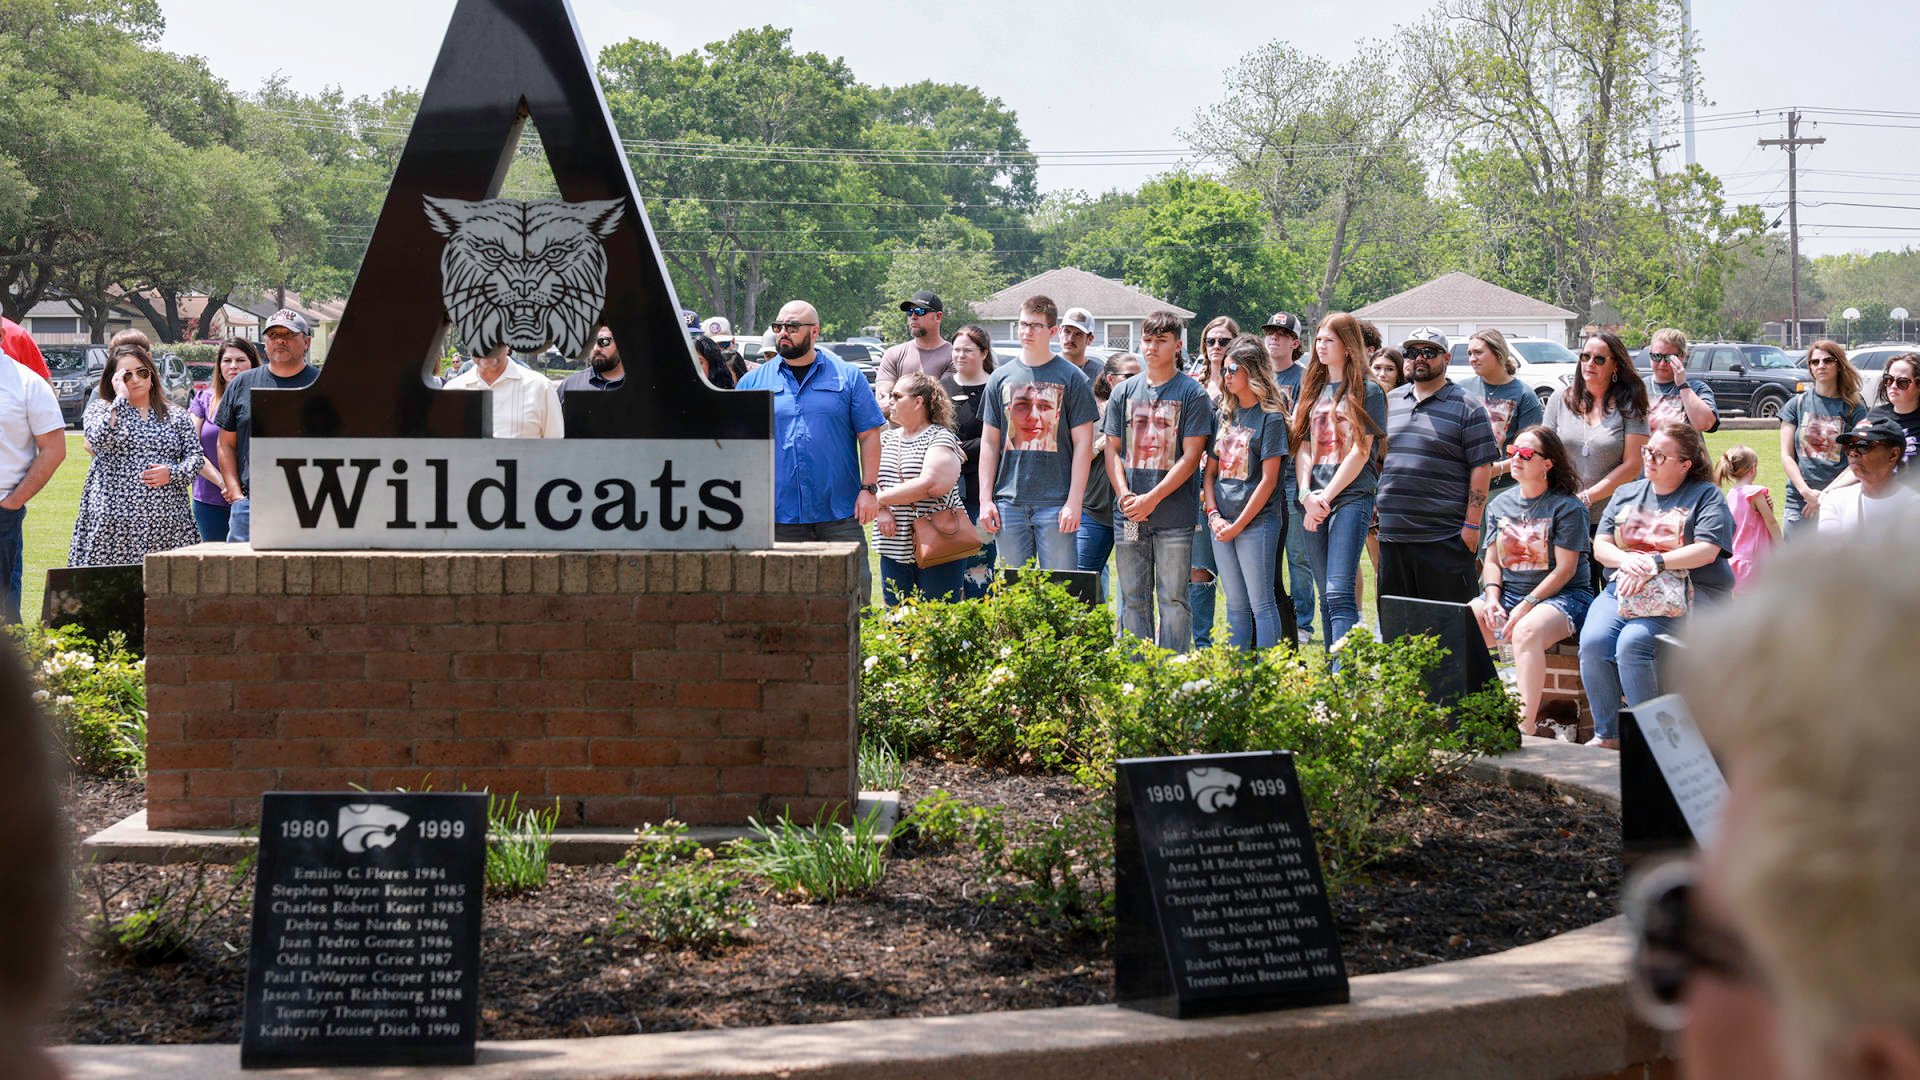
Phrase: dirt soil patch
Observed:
(1485, 868)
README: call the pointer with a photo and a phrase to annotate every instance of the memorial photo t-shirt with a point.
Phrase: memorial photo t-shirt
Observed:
(1152, 423)
(1242, 446)
(1640, 519)
(1333, 436)
(1664, 402)
(1512, 407)
(1818, 422)
(1521, 533)
(1036, 409)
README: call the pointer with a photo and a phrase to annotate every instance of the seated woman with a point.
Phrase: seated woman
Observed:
(137, 495)
(1666, 540)
(1534, 568)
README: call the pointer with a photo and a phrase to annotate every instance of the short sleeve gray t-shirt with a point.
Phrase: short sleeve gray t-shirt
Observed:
(1818, 422)
(1242, 446)
(1035, 410)
(1664, 402)
(1512, 407)
(1152, 423)
(1521, 535)
(1596, 449)
(1640, 519)
(1333, 435)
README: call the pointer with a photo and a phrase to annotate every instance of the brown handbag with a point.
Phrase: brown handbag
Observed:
(944, 536)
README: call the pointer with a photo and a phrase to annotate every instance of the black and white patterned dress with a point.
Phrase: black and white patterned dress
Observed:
(122, 519)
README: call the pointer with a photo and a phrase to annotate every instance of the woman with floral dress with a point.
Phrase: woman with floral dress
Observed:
(137, 495)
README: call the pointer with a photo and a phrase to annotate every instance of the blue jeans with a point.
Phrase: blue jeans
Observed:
(1155, 567)
(1246, 575)
(1095, 544)
(212, 520)
(240, 522)
(1300, 571)
(12, 562)
(1201, 594)
(1025, 530)
(1335, 548)
(898, 580)
(1617, 658)
(806, 532)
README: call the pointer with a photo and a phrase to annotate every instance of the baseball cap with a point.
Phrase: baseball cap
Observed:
(719, 330)
(1080, 319)
(290, 319)
(1427, 335)
(924, 298)
(767, 347)
(1280, 320)
(1880, 429)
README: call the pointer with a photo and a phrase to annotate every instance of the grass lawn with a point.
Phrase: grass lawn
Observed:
(49, 524)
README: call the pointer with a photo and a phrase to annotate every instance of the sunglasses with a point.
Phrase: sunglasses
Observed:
(783, 327)
(1229, 368)
(603, 341)
(1672, 944)
(1222, 342)
(1816, 361)
(1899, 382)
(1524, 453)
(1664, 358)
(918, 311)
(135, 373)
(1860, 449)
(1424, 354)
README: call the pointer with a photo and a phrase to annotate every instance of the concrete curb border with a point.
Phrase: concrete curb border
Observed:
(1556, 1008)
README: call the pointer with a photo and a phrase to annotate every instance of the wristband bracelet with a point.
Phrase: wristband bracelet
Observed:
(1474, 525)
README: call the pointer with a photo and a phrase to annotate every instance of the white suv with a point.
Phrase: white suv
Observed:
(1544, 365)
(1871, 362)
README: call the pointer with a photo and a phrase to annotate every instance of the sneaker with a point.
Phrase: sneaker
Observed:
(1604, 744)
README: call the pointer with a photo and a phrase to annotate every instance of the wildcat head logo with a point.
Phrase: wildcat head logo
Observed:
(369, 825)
(524, 274)
(1213, 788)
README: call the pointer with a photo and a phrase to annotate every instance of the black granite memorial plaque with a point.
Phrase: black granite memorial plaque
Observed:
(1468, 666)
(1219, 903)
(100, 599)
(1671, 788)
(366, 930)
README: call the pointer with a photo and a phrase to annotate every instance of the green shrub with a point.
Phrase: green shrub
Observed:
(155, 917)
(94, 695)
(880, 768)
(677, 892)
(194, 353)
(938, 820)
(823, 862)
(518, 843)
(1058, 872)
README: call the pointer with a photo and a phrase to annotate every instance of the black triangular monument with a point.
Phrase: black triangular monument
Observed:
(502, 61)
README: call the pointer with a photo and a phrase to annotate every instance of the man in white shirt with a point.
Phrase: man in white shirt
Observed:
(525, 403)
(33, 443)
(1874, 448)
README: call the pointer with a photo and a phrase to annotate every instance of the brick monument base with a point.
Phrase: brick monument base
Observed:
(633, 687)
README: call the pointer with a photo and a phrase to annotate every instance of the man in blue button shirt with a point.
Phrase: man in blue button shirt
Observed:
(822, 408)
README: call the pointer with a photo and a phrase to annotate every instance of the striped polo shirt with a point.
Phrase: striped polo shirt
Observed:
(1433, 446)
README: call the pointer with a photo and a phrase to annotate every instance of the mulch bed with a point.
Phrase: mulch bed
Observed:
(1485, 868)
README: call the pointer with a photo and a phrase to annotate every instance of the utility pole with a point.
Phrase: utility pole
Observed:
(1793, 142)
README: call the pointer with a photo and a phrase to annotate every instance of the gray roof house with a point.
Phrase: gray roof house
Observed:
(1118, 309)
(1459, 304)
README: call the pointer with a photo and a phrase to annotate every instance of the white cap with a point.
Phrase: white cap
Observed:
(1080, 319)
(719, 330)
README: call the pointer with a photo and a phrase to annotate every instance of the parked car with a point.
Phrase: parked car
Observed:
(76, 374)
(202, 374)
(1871, 360)
(1545, 365)
(175, 380)
(1745, 378)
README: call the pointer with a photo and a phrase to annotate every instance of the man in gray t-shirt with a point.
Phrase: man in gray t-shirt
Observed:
(924, 350)
(1036, 445)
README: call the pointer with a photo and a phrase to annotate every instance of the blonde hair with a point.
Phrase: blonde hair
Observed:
(1496, 342)
(1738, 461)
(1823, 875)
(1250, 353)
(1672, 337)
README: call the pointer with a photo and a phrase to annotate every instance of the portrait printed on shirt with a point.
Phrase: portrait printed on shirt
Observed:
(1500, 414)
(1522, 544)
(1234, 449)
(1644, 528)
(1332, 432)
(1033, 415)
(1153, 434)
(1667, 408)
(1820, 438)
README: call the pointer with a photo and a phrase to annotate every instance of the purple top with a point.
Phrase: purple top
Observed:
(204, 492)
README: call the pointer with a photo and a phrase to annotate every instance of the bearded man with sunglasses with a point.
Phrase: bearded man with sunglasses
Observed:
(604, 370)
(1788, 948)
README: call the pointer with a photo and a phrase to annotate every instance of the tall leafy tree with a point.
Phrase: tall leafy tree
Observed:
(953, 258)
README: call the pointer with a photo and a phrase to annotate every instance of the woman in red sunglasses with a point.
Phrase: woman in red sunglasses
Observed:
(1534, 570)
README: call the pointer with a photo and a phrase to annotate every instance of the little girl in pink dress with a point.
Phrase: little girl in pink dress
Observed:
(1755, 529)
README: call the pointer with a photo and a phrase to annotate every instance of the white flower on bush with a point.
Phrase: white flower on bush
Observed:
(869, 662)
(999, 676)
(1006, 651)
(898, 614)
(63, 699)
(1195, 687)
(41, 695)
(1178, 658)
(1126, 688)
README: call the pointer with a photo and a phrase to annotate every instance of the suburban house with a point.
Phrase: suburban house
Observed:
(58, 322)
(1118, 309)
(1459, 304)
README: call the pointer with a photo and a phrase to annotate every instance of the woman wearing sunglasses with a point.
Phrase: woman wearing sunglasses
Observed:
(1244, 511)
(1899, 401)
(1788, 948)
(1213, 346)
(137, 495)
(1810, 428)
(1535, 581)
(1665, 540)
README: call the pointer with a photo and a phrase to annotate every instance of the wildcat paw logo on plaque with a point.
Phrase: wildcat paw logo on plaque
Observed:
(373, 456)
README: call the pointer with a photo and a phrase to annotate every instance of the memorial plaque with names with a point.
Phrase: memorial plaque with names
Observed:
(366, 930)
(1219, 903)
(1671, 789)
(1468, 666)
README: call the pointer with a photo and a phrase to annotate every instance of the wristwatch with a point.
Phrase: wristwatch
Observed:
(871, 489)
(1659, 561)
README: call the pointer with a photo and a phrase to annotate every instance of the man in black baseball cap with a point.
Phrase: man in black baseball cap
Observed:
(924, 350)
(1874, 447)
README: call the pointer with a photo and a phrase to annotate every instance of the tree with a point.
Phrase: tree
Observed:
(1759, 288)
(953, 258)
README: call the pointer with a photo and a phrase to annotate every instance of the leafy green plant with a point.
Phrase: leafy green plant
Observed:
(1058, 872)
(94, 695)
(824, 861)
(518, 843)
(880, 768)
(938, 820)
(677, 892)
(154, 917)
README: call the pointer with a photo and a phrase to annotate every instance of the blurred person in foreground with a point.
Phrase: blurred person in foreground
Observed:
(1789, 948)
(34, 888)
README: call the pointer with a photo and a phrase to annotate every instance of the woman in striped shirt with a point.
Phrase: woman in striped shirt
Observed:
(919, 474)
